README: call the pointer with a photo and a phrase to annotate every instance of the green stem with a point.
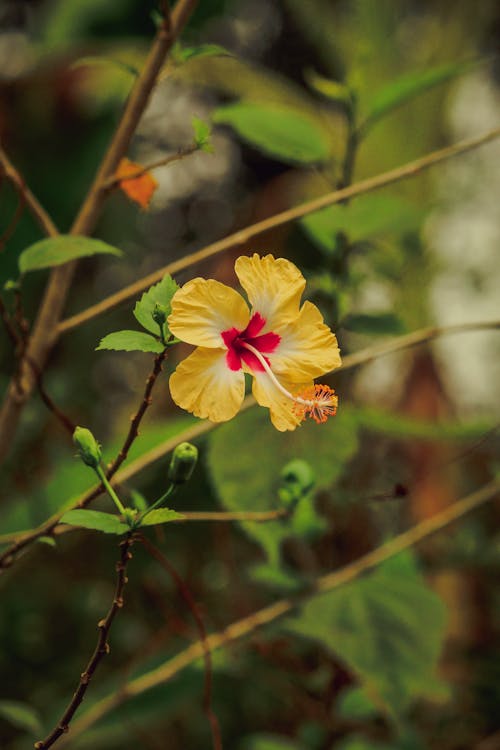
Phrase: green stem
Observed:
(109, 489)
(157, 503)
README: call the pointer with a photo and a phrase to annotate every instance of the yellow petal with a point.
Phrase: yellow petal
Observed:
(307, 348)
(203, 308)
(204, 385)
(283, 415)
(274, 287)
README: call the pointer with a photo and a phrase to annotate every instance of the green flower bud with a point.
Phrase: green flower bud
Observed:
(159, 313)
(297, 479)
(88, 447)
(182, 463)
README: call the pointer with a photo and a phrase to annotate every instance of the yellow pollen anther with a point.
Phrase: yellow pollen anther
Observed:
(317, 401)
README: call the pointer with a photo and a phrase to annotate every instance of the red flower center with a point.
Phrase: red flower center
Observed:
(235, 341)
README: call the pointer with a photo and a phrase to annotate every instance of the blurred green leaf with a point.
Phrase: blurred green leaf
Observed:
(269, 742)
(387, 627)
(333, 90)
(95, 519)
(363, 218)
(281, 132)
(354, 703)
(202, 135)
(21, 716)
(181, 54)
(161, 294)
(58, 250)
(93, 60)
(409, 85)
(161, 515)
(252, 482)
(131, 341)
(378, 324)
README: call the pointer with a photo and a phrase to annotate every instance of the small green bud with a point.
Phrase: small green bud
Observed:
(159, 313)
(297, 479)
(130, 515)
(182, 463)
(88, 447)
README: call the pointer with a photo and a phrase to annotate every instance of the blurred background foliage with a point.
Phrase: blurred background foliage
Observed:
(303, 98)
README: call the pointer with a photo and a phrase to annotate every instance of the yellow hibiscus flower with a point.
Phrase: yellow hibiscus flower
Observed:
(282, 344)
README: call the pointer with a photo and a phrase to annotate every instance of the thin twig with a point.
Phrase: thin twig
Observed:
(188, 598)
(101, 649)
(243, 236)
(267, 615)
(45, 332)
(181, 153)
(42, 217)
(22, 539)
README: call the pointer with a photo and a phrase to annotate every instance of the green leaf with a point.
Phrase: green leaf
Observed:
(131, 341)
(387, 628)
(93, 60)
(270, 742)
(333, 90)
(202, 133)
(378, 324)
(281, 132)
(22, 716)
(409, 85)
(181, 54)
(361, 219)
(95, 519)
(161, 515)
(251, 483)
(58, 250)
(160, 293)
(354, 703)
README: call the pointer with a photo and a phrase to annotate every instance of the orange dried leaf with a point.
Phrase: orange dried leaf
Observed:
(139, 188)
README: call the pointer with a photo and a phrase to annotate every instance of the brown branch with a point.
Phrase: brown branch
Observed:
(273, 612)
(40, 214)
(101, 649)
(181, 153)
(45, 331)
(22, 539)
(188, 598)
(243, 236)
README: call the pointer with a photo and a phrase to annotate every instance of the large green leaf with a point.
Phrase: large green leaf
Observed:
(361, 219)
(131, 341)
(250, 482)
(284, 133)
(161, 294)
(409, 85)
(387, 628)
(55, 251)
(95, 519)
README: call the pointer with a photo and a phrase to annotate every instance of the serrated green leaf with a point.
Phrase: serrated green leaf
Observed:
(387, 627)
(131, 341)
(160, 515)
(160, 293)
(378, 324)
(181, 54)
(281, 132)
(409, 85)
(95, 519)
(22, 716)
(55, 251)
(251, 483)
(368, 217)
